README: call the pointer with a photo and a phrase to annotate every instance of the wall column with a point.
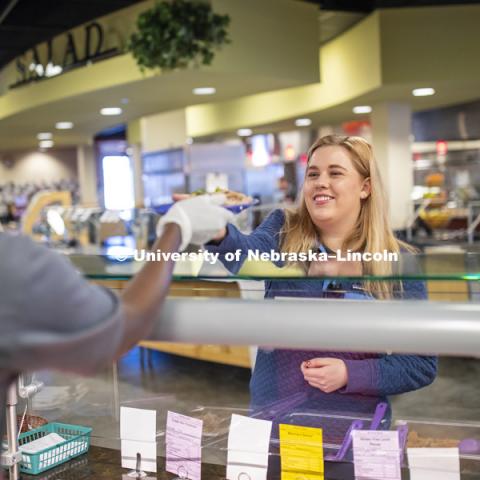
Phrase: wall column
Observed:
(391, 139)
(87, 175)
(137, 165)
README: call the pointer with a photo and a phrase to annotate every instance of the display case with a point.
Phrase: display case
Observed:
(212, 315)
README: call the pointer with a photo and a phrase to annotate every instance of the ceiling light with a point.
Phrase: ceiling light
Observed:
(45, 144)
(244, 132)
(64, 125)
(204, 91)
(53, 70)
(303, 122)
(44, 136)
(37, 68)
(111, 111)
(362, 109)
(423, 92)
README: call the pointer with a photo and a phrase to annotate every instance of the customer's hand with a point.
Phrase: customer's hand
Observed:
(326, 374)
(200, 218)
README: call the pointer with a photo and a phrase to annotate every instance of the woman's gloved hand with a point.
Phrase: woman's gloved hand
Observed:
(200, 218)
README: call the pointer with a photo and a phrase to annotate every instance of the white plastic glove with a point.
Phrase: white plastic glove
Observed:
(199, 218)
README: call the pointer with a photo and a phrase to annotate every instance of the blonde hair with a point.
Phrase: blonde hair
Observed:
(372, 231)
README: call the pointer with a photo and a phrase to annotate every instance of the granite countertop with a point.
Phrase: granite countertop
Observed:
(105, 464)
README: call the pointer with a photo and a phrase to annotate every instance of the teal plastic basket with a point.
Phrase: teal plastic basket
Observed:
(77, 442)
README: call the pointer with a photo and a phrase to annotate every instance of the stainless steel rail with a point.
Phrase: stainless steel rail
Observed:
(12, 457)
(377, 326)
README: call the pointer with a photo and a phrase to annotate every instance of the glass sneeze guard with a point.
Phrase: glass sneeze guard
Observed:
(463, 266)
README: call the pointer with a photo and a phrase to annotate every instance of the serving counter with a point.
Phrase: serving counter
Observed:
(449, 277)
(217, 316)
(104, 464)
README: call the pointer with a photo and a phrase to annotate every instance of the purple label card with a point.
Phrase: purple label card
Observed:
(184, 461)
(184, 446)
(376, 455)
(183, 426)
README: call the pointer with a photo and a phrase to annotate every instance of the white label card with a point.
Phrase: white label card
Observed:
(376, 455)
(147, 451)
(138, 424)
(434, 463)
(248, 445)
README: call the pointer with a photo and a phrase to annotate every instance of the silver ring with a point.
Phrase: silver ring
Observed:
(182, 472)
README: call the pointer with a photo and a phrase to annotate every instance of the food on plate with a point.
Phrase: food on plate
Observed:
(233, 198)
(211, 423)
(416, 441)
(237, 198)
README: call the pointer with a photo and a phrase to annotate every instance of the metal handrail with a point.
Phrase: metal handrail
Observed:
(12, 457)
(437, 328)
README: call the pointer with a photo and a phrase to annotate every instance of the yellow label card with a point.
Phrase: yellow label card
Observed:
(301, 452)
(301, 476)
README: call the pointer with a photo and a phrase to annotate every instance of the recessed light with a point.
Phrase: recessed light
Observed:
(244, 132)
(362, 109)
(423, 92)
(111, 111)
(46, 144)
(52, 70)
(44, 136)
(204, 91)
(303, 122)
(64, 125)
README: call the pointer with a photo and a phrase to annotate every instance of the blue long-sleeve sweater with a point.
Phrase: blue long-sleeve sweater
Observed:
(277, 374)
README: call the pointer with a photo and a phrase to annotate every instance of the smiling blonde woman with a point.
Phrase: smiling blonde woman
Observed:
(342, 207)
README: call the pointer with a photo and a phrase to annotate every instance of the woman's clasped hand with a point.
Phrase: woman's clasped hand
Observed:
(326, 374)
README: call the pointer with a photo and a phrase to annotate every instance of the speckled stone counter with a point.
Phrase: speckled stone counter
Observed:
(104, 464)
